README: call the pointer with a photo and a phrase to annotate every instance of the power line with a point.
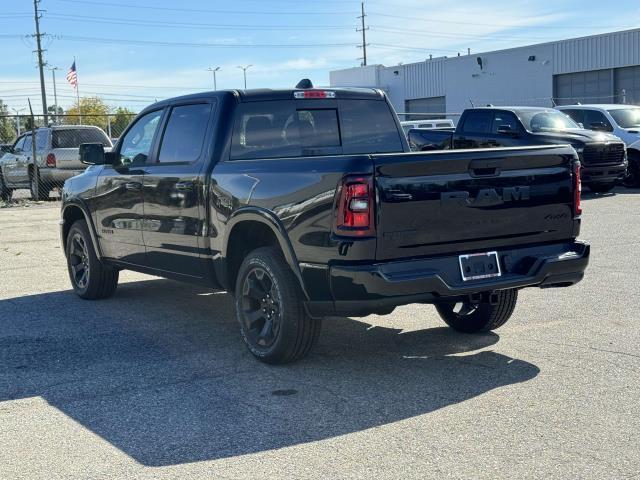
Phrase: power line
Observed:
(172, 24)
(193, 44)
(293, 11)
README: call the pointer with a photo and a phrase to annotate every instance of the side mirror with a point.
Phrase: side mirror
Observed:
(507, 130)
(92, 154)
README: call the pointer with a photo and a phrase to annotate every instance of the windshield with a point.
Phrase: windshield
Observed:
(547, 120)
(627, 117)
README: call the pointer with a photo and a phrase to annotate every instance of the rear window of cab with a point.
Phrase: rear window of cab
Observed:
(281, 129)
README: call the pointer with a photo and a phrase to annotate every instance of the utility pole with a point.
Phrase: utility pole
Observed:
(244, 71)
(55, 93)
(40, 62)
(214, 70)
(363, 29)
(17, 112)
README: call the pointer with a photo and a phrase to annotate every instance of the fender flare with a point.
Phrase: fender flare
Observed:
(82, 206)
(268, 218)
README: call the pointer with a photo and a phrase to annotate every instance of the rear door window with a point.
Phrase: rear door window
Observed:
(478, 122)
(184, 135)
(74, 137)
(576, 115)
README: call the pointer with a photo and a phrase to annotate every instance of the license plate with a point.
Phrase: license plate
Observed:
(477, 266)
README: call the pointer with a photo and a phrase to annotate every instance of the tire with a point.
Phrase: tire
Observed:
(100, 280)
(40, 191)
(632, 178)
(482, 317)
(270, 309)
(601, 187)
(5, 192)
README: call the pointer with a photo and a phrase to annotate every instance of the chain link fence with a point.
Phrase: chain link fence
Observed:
(39, 156)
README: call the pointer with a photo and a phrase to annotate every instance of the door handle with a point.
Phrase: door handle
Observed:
(184, 186)
(133, 186)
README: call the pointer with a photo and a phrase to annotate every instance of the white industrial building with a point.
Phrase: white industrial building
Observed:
(596, 69)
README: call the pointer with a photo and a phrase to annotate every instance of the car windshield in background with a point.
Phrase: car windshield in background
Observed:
(626, 117)
(547, 120)
(74, 137)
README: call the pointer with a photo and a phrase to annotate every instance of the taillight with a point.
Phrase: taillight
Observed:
(355, 208)
(577, 189)
(51, 160)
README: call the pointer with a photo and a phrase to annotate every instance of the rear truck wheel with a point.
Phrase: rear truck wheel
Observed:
(5, 192)
(90, 278)
(475, 317)
(269, 306)
(601, 187)
(632, 178)
(39, 190)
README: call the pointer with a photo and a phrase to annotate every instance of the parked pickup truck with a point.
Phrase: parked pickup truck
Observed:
(603, 156)
(307, 203)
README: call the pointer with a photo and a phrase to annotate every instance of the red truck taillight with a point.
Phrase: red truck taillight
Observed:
(577, 189)
(51, 160)
(355, 208)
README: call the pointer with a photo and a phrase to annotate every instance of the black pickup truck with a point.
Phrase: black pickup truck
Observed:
(603, 156)
(306, 203)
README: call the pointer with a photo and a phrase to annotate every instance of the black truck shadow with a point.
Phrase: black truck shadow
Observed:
(160, 372)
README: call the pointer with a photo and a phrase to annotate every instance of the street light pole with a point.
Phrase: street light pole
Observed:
(244, 71)
(214, 70)
(55, 93)
(17, 112)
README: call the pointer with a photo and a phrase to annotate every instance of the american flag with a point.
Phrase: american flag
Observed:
(72, 76)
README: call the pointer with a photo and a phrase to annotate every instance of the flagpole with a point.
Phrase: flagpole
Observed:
(78, 92)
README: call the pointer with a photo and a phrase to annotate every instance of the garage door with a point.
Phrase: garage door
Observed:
(584, 87)
(425, 105)
(627, 82)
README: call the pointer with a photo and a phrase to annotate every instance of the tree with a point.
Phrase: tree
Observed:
(93, 111)
(7, 127)
(120, 120)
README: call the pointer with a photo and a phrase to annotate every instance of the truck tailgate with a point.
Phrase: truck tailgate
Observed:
(68, 158)
(472, 200)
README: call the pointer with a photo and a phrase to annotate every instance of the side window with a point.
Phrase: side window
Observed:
(136, 145)
(184, 135)
(478, 122)
(595, 120)
(504, 120)
(42, 138)
(26, 147)
(576, 115)
(19, 145)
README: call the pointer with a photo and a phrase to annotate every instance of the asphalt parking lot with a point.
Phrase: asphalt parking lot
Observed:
(156, 383)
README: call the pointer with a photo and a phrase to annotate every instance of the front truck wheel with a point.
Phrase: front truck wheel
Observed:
(475, 317)
(270, 308)
(90, 278)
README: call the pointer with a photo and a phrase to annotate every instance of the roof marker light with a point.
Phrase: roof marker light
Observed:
(314, 94)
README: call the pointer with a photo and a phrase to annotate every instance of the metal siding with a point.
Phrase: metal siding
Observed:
(619, 49)
(425, 79)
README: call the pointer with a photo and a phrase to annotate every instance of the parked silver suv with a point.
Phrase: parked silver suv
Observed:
(57, 159)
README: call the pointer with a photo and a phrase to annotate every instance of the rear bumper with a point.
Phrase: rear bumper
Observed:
(57, 176)
(365, 289)
(603, 174)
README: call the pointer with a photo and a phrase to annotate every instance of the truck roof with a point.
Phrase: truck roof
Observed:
(515, 109)
(266, 94)
(599, 106)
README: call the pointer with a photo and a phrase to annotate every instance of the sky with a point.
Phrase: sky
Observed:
(132, 53)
